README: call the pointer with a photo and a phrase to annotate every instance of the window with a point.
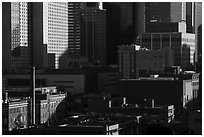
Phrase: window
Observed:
(11, 120)
(11, 111)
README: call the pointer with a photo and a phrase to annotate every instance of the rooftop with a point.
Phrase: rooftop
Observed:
(97, 119)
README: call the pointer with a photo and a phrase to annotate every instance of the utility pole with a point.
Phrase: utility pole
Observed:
(32, 90)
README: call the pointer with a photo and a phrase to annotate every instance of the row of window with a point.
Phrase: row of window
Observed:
(57, 9)
(195, 77)
(17, 110)
(57, 31)
(195, 83)
(22, 119)
(52, 105)
(62, 19)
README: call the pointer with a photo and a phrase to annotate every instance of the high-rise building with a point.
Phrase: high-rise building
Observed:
(55, 32)
(139, 18)
(73, 32)
(93, 32)
(40, 34)
(164, 12)
(15, 37)
(60, 22)
(170, 12)
(197, 21)
(121, 26)
(200, 41)
(189, 17)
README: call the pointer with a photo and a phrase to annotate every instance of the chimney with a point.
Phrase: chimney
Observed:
(152, 103)
(109, 103)
(124, 100)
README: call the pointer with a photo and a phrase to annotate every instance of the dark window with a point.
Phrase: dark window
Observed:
(64, 81)
(91, 4)
(69, 86)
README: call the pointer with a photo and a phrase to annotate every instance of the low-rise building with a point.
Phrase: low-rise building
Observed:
(161, 113)
(47, 105)
(14, 113)
(91, 124)
(17, 108)
(195, 122)
(75, 81)
(134, 61)
(170, 90)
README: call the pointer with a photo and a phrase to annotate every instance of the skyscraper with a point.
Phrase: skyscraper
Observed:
(93, 32)
(197, 21)
(194, 20)
(57, 33)
(74, 31)
(189, 17)
(15, 36)
(121, 20)
(164, 12)
(36, 34)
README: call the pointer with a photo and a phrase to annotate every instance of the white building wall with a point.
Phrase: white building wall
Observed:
(189, 40)
(187, 91)
(55, 29)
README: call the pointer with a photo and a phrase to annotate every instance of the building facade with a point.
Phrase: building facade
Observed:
(74, 83)
(164, 12)
(14, 114)
(55, 31)
(182, 44)
(47, 105)
(172, 12)
(73, 52)
(134, 62)
(93, 33)
(197, 19)
(121, 26)
(180, 91)
(16, 35)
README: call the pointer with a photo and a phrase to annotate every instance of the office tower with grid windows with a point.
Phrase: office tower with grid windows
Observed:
(59, 27)
(93, 32)
(73, 51)
(15, 35)
(35, 34)
(55, 33)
